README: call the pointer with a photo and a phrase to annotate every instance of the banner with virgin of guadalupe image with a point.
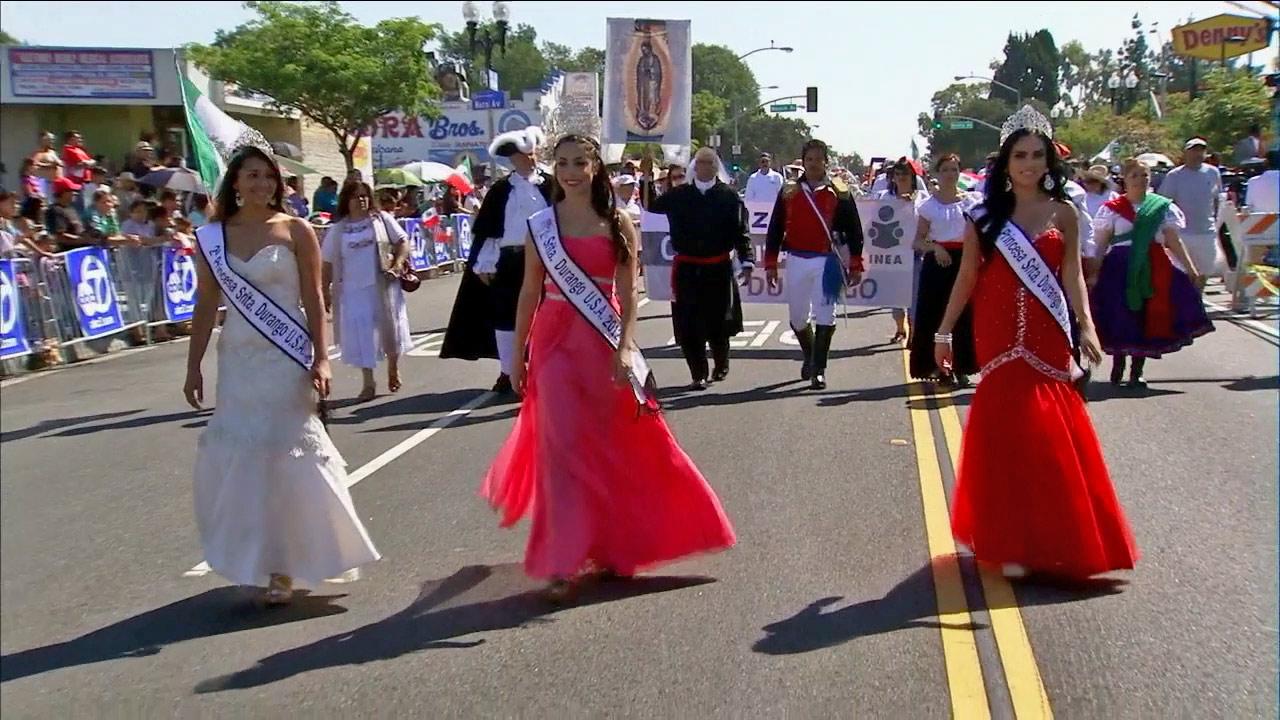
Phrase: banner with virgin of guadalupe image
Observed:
(648, 94)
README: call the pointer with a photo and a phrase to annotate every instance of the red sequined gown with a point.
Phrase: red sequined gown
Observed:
(1032, 487)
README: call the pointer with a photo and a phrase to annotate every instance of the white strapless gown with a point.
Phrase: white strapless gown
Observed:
(270, 487)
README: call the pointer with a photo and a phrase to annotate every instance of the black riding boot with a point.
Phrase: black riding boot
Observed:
(821, 349)
(805, 338)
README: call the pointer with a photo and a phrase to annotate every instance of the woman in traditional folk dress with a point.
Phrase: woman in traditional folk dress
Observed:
(365, 251)
(1032, 489)
(940, 240)
(609, 488)
(1145, 305)
(271, 494)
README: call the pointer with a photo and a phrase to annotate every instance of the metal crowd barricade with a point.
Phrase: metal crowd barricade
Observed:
(137, 275)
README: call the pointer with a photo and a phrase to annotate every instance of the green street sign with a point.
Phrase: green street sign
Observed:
(961, 124)
(783, 107)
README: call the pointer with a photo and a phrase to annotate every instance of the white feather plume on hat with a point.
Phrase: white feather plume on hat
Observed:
(525, 141)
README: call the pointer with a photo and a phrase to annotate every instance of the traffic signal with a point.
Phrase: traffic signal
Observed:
(937, 121)
(811, 99)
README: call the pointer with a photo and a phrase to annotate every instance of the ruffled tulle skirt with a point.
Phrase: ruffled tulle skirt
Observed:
(270, 487)
(1032, 487)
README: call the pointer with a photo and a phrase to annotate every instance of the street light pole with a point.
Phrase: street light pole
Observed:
(763, 49)
(1016, 92)
(501, 14)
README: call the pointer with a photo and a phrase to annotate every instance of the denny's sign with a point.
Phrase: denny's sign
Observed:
(1207, 39)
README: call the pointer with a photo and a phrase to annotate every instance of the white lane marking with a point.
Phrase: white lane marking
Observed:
(765, 334)
(387, 457)
(1233, 316)
(427, 346)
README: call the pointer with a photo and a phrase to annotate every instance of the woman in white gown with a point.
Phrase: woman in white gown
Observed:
(270, 487)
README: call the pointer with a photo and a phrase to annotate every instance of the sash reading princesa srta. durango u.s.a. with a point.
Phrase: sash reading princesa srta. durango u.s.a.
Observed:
(264, 314)
(1036, 275)
(589, 300)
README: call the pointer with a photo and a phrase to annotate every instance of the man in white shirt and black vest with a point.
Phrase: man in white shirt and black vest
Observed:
(707, 223)
(482, 324)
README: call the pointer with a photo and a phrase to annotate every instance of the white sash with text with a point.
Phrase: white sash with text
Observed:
(263, 313)
(587, 298)
(1037, 277)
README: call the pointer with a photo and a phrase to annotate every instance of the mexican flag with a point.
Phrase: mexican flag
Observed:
(214, 134)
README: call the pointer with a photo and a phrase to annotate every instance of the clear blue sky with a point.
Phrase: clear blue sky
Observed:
(876, 64)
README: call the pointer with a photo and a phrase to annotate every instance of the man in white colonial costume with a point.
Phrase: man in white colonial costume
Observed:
(484, 314)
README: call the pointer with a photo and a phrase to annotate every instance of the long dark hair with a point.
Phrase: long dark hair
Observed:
(999, 203)
(348, 191)
(602, 200)
(227, 206)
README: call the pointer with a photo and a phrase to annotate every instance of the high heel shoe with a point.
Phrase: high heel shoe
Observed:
(280, 590)
(559, 592)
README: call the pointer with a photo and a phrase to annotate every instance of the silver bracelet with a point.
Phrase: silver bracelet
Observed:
(942, 338)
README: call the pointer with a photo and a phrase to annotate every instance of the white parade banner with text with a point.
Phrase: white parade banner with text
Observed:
(888, 229)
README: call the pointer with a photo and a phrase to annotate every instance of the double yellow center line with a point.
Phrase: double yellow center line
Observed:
(965, 672)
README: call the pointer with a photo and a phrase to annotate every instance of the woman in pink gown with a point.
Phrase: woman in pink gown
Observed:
(609, 488)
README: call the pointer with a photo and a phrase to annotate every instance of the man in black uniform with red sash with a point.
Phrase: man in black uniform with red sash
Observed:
(707, 223)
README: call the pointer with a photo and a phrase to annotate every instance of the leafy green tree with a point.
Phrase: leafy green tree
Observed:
(968, 101)
(318, 60)
(709, 114)
(1228, 104)
(717, 70)
(565, 58)
(1031, 64)
(521, 66)
(7, 39)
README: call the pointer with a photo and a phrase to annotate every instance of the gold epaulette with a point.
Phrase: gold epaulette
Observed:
(790, 189)
(840, 186)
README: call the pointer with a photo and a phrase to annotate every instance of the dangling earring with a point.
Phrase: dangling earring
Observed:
(1048, 184)
(1008, 185)
(239, 202)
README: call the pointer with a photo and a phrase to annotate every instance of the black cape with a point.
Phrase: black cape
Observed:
(471, 324)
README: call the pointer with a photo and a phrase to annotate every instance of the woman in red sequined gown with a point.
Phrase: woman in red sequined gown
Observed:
(1033, 494)
(609, 488)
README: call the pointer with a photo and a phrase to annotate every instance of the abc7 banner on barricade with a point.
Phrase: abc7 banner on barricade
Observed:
(13, 326)
(888, 230)
(89, 272)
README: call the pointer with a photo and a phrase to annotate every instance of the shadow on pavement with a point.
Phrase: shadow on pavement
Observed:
(1248, 383)
(672, 352)
(911, 603)
(45, 426)
(214, 612)
(475, 599)
(417, 405)
(200, 416)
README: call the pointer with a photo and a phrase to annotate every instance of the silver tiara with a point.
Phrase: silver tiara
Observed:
(248, 137)
(1028, 118)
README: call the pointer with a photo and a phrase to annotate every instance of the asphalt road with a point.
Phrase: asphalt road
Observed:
(841, 599)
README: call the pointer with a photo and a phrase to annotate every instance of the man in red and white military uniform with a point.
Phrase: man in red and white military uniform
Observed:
(816, 221)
